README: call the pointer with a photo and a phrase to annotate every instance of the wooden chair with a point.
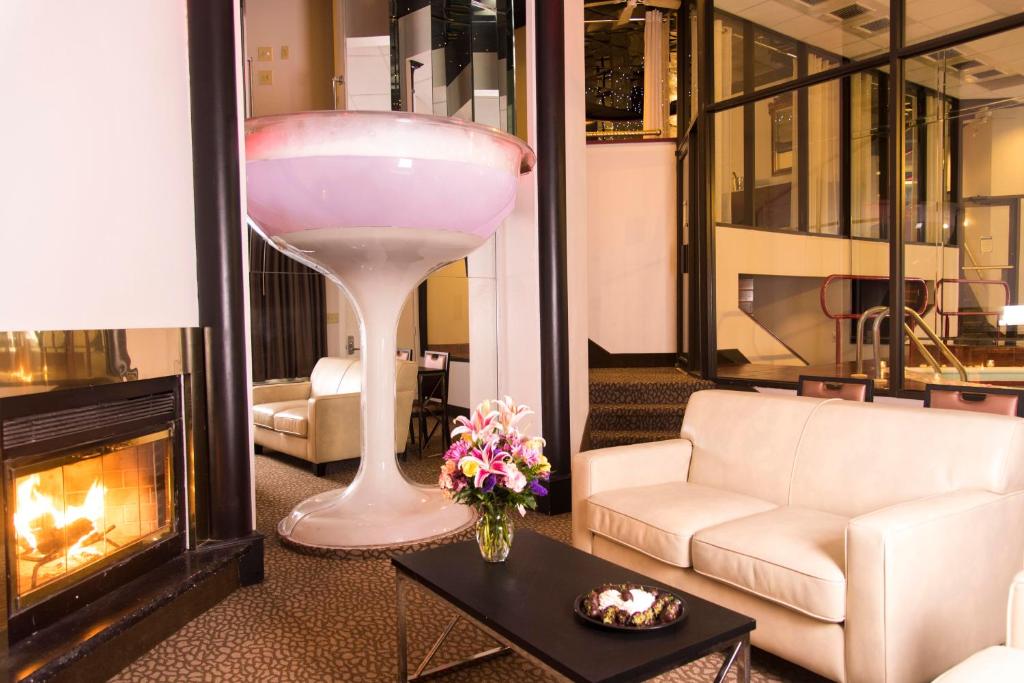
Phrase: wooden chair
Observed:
(995, 400)
(432, 400)
(846, 388)
(403, 354)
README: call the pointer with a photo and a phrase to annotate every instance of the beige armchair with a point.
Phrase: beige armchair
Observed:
(999, 662)
(319, 420)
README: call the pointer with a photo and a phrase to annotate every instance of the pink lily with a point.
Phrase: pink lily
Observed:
(488, 461)
(482, 422)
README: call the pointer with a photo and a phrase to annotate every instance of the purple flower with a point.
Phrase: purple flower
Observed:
(489, 482)
(537, 489)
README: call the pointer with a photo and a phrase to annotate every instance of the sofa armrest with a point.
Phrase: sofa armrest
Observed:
(1015, 613)
(926, 582)
(623, 467)
(334, 427)
(284, 391)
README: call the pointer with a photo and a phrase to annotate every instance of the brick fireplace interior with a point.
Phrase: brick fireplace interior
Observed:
(78, 513)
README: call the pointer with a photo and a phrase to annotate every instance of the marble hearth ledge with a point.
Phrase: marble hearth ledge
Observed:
(97, 641)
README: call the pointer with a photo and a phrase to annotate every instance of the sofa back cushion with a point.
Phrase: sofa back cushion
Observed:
(858, 457)
(745, 442)
(329, 374)
(345, 376)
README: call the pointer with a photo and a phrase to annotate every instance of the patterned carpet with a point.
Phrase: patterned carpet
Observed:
(321, 619)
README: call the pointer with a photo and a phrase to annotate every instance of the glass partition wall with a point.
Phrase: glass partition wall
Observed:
(818, 204)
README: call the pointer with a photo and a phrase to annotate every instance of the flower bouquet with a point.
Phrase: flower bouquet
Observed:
(492, 467)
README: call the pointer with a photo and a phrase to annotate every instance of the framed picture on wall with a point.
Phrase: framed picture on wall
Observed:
(780, 109)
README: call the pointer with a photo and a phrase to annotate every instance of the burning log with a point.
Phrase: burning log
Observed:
(50, 539)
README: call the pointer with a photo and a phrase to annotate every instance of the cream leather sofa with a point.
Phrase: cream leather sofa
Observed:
(1000, 662)
(319, 420)
(871, 543)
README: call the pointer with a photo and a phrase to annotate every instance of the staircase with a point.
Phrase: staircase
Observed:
(637, 405)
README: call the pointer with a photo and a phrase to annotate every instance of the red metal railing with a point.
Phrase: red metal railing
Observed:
(852, 315)
(946, 315)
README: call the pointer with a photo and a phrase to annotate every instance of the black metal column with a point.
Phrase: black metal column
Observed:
(551, 215)
(219, 244)
(897, 193)
(702, 178)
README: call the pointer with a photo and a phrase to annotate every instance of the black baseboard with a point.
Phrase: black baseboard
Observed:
(599, 357)
(250, 561)
(559, 498)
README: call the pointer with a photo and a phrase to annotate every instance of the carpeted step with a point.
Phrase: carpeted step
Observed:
(609, 438)
(643, 386)
(662, 417)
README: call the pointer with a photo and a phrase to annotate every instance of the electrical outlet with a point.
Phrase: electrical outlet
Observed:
(264, 54)
(285, 52)
(265, 77)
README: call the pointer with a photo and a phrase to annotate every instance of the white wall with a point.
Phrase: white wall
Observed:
(96, 220)
(631, 217)
(302, 82)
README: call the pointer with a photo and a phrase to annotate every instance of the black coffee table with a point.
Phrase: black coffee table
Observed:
(526, 604)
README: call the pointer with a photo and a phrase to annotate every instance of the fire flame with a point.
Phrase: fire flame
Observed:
(36, 513)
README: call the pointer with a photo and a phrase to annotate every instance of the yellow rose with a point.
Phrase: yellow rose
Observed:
(469, 467)
(545, 466)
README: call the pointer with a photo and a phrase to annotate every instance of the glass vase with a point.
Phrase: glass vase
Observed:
(494, 534)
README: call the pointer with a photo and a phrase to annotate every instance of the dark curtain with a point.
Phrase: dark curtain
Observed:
(288, 311)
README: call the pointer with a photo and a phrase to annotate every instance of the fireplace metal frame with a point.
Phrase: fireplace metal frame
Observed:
(26, 620)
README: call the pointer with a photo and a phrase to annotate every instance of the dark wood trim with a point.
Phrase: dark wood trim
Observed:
(551, 218)
(219, 229)
(599, 357)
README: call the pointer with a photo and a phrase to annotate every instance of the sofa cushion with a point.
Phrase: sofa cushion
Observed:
(912, 454)
(746, 442)
(995, 663)
(263, 413)
(660, 520)
(328, 376)
(790, 555)
(294, 421)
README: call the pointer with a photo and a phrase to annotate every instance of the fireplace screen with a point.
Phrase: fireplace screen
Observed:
(82, 511)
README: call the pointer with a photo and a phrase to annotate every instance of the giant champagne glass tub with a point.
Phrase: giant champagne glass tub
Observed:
(376, 201)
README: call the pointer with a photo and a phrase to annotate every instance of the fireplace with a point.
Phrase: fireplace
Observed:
(93, 481)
